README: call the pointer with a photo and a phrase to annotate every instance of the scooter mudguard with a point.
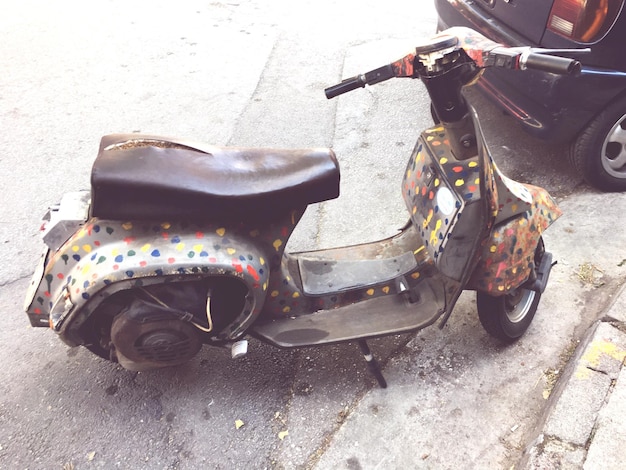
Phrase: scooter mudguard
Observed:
(106, 256)
(508, 257)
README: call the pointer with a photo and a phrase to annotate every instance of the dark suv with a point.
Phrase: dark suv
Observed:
(588, 110)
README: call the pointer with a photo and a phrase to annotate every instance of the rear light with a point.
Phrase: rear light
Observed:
(583, 20)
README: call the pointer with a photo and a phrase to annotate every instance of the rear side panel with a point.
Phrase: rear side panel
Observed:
(477, 15)
(106, 256)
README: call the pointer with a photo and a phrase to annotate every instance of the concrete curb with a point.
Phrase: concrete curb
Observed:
(582, 426)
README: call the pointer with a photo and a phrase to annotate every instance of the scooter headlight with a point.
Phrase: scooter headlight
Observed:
(445, 201)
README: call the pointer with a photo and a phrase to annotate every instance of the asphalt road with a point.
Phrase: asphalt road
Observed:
(252, 73)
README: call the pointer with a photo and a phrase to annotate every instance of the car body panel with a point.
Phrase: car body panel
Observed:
(527, 17)
(550, 107)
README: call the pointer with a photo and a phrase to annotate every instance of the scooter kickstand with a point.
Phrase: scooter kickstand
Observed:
(372, 363)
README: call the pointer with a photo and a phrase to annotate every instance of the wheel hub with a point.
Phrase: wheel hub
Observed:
(517, 304)
(145, 340)
(614, 150)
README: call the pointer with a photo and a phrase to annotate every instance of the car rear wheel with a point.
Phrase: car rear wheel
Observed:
(599, 152)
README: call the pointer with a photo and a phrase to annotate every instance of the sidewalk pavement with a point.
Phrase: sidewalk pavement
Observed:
(584, 424)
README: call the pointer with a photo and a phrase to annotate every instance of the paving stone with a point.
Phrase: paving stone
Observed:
(604, 353)
(608, 448)
(617, 311)
(555, 455)
(576, 411)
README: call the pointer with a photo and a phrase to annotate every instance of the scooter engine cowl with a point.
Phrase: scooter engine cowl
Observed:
(145, 341)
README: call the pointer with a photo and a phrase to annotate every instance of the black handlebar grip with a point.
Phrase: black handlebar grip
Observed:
(552, 64)
(345, 86)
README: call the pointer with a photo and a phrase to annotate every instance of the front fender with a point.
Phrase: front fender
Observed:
(106, 256)
(507, 257)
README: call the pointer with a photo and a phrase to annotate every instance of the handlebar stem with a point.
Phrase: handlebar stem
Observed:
(444, 87)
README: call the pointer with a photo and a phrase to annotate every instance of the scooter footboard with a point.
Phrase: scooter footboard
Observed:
(381, 316)
(105, 257)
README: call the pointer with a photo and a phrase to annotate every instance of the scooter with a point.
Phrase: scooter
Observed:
(181, 244)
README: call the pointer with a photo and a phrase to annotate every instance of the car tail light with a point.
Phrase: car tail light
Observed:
(583, 20)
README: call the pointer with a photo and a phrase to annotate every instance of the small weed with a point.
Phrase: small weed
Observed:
(590, 275)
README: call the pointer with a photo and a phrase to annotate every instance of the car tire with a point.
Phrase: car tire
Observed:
(599, 151)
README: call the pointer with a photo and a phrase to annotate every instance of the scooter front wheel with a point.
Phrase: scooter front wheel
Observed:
(507, 317)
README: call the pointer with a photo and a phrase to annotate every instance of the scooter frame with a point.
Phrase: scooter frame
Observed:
(469, 228)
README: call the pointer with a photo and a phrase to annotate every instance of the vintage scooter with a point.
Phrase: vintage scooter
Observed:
(180, 244)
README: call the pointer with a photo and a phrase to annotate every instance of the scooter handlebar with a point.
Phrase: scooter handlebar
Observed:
(370, 78)
(487, 53)
(345, 86)
(482, 51)
(549, 63)
(526, 58)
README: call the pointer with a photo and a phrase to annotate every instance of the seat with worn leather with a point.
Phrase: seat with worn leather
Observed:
(146, 177)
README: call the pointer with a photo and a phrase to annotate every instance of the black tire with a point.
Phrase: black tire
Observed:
(507, 317)
(599, 151)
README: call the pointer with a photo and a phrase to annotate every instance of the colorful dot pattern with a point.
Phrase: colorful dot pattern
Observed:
(286, 296)
(507, 258)
(520, 212)
(431, 167)
(105, 252)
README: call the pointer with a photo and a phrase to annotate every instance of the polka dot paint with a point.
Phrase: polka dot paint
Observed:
(104, 254)
(107, 253)
(508, 255)
(287, 297)
(520, 212)
(430, 166)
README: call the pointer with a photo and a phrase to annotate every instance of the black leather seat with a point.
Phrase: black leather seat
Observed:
(146, 177)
